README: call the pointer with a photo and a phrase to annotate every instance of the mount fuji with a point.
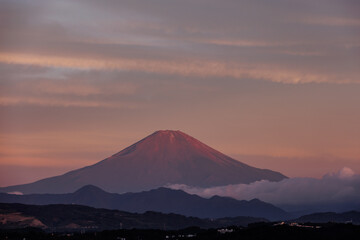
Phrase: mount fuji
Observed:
(164, 157)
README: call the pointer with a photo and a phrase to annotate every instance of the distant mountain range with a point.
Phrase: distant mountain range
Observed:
(346, 217)
(75, 218)
(164, 157)
(160, 200)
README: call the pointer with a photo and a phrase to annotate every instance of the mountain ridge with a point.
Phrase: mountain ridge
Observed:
(163, 200)
(325, 217)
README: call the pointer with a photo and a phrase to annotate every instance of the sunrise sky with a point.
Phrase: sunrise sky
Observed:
(274, 84)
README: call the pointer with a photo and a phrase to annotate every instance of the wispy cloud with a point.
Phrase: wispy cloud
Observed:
(242, 43)
(333, 21)
(58, 102)
(191, 67)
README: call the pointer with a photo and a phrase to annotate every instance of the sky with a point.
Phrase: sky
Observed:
(272, 84)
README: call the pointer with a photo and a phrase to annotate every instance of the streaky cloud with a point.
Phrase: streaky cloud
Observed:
(190, 68)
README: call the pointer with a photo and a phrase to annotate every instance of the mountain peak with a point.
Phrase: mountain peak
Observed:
(89, 189)
(173, 146)
(167, 132)
(170, 134)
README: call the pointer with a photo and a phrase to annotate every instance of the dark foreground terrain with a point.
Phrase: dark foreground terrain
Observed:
(254, 231)
(19, 221)
(67, 218)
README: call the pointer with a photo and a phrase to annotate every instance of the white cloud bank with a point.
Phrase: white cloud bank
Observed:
(334, 191)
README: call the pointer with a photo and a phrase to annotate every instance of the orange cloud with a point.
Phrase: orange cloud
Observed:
(60, 102)
(201, 68)
(242, 43)
(79, 87)
(333, 21)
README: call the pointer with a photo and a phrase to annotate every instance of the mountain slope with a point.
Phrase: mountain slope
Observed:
(160, 200)
(164, 157)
